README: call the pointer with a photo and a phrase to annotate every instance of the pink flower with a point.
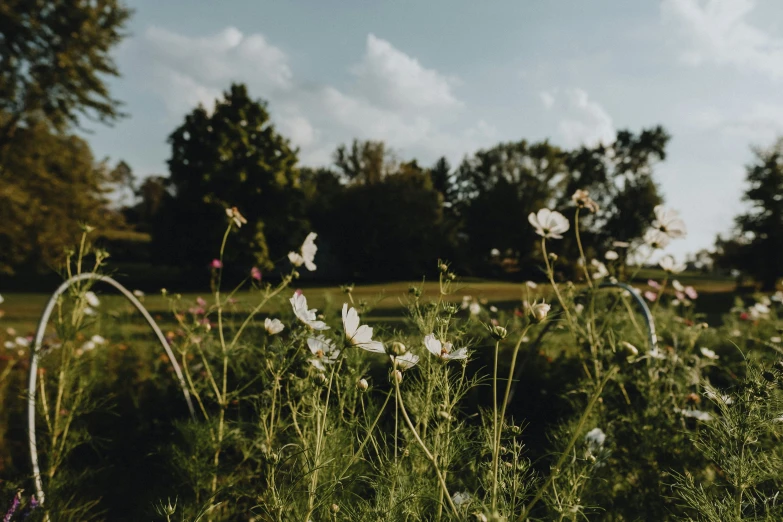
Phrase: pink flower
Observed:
(201, 302)
(691, 292)
(216, 263)
(680, 296)
(650, 296)
(298, 291)
(196, 310)
(653, 284)
(255, 273)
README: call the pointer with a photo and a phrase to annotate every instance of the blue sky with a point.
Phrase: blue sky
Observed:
(449, 77)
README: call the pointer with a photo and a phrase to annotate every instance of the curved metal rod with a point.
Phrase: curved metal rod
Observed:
(39, 334)
(652, 337)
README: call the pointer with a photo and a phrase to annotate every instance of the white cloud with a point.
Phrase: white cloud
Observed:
(393, 98)
(587, 122)
(392, 79)
(718, 32)
(547, 98)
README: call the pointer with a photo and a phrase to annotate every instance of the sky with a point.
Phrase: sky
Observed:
(449, 77)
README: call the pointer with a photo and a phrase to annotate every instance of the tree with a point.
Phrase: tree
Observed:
(231, 157)
(366, 162)
(54, 60)
(759, 244)
(49, 184)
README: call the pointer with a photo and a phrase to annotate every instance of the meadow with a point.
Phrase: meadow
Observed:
(453, 399)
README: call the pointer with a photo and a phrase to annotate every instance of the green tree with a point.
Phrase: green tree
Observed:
(758, 248)
(54, 61)
(231, 157)
(366, 162)
(49, 184)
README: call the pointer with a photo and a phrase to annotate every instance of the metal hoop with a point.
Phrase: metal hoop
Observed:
(31, 388)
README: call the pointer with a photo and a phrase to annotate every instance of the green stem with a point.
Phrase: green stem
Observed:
(366, 438)
(495, 429)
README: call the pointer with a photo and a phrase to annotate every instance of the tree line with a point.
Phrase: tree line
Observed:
(377, 215)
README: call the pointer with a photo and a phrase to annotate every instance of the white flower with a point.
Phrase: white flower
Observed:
(273, 326)
(404, 361)
(621, 244)
(475, 308)
(765, 300)
(89, 345)
(775, 340)
(600, 269)
(97, 339)
(493, 309)
(656, 239)
(308, 317)
(540, 310)
(465, 301)
(611, 255)
(324, 352)
(92, 299)
(632, 350)
(726, 399)
(234, 215)
(777, 297)
(88, 311)
(709, 354)
(549, 223)
(670, 265)
(655, 353)
(494, 253)
(758, 311)
(579, 308)
(359, 335)
(138, 293)
(532, 285)
(2, 299)
(443, 350)
(696, 414)
(460, 498)
(668, 221)
(595, 439)
(306, 254)
(678, 286)
(22, 341)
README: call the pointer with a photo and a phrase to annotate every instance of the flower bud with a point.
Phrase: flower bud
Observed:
(398, 349)
(553, 257)
(443, 267)
(335, 508)
(540, 310)
(498, 332)
(397, 375)
(362, 385)
(629, 349)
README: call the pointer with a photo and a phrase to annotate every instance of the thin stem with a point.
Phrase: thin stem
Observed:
(366, 438)
(424, 448)
(495, 428)
(581, 250)
(571, 443)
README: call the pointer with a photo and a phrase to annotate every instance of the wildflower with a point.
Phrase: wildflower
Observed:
(579, 308)
(308, 317)
(600, 269)
(653, 284)
(97, 339)
(216, 264)
(595, 439)
(493, 309)
(237, 218)
(498, 332)
(138, 293)
(531, 285)
(549, 224)
(323, 350)
(726, 399)
(92, 299)
(656, 239)
(460, 499)
(709, 354)
(668, 222)
(255, 273)
(677, 286)
(443, 350)
(611, 255)
(89, 345)
(9, 345)
(494, 252)
(306, 254)
(650, 296)
(88, 311)
(540, 310)
(775, 340)
(24, 342)
(691, 292)
(397, 348)
(359, 335)
(397, 375)
(777, 297)
(475, 308)
(758, 310)
(362, 385)
(2, 299)
(695, 414)
(273, 326)
(670, 265)
(583, 200)
(404, 361)
(621, 244)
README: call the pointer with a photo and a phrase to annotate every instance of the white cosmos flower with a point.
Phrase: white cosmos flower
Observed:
(306, 254)
(88, 311)
(656, 239)
(138, 293)
(460, 498)
(235, 216)
(678, 286)
(2, 299)
(92, 299)
(324, 352)
(775, 339)
(611, 255)
(273, 326)
(549, 223)
(466, 299)
(308, 317)
(621, 244)
(668, 221)
(670, 265)
(404, 361)
(695, 414)
(758, 310)
(89, 345)
(443, 350)
(709, 354)
(595, 439)
(475, 308)
(494, 253)
(22, 341)
(532, 285)
(97, 339)
(10, 345)
(600, 269)
(359, 335)
(778, 297)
